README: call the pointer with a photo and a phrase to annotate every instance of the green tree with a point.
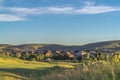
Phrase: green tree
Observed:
(40, 57)
(59, 57)
(25, 56)
(115, 58)
(32, 57)
(107, 58)
(100, 56)
(88, 56)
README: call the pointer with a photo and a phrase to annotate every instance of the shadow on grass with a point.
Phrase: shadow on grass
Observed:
(23, 72)
(29, 74)
(13, 76)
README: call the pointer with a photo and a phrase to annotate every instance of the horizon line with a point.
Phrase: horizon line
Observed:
(57, 43)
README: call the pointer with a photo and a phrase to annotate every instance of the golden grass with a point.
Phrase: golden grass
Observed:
(11, 76)
(14, 68)
(94, 71)
(17, 63)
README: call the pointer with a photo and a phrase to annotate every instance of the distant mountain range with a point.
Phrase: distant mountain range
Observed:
(114, 45)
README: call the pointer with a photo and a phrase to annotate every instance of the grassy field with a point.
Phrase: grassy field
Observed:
(16, 69)
(93, 71)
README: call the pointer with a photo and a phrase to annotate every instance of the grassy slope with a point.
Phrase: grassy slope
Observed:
(115, 45)
(4, 46)
(96, 71)
(16, 63)
(13, 68)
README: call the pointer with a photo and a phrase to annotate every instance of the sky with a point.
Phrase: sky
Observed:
(68, 22)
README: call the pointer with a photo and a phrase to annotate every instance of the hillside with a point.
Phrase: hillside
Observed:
(35, 47)
(100, 45)
(103, 45)
(25, 47)
(12, 68)
(4, 46)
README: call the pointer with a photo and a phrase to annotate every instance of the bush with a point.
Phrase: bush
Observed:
(32, 57)
(40, 57)
(93, 71)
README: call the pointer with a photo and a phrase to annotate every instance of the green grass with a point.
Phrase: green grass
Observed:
(14, 68)
(96, 71)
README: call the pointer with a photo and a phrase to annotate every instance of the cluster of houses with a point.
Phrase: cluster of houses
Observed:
(71, 54)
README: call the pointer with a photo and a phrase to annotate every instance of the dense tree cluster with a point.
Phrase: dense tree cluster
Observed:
(49, 55)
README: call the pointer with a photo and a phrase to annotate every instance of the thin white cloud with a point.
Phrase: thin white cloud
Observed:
(96, 9)
(63, 10)
(19, 13)
(9, 18)
(41, 10)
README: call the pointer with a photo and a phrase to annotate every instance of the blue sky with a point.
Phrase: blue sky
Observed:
(69, 22)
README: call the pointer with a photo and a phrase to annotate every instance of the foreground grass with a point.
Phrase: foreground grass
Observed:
(92, 71)
(16, 69)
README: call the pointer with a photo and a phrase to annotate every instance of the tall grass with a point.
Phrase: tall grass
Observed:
(11, 69)
(91, 71)
(11, 76)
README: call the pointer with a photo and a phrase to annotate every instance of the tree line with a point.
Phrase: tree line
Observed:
(114, 57)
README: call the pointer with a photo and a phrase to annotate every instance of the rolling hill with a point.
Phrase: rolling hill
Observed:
(35, 47)
(99, 45)
(4, 46)
(103, 45)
